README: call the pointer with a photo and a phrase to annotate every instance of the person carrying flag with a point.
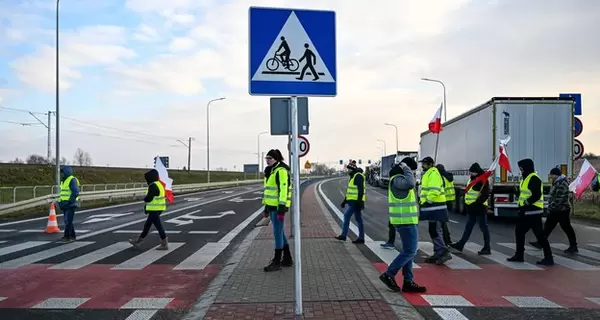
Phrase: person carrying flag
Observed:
(156, 203)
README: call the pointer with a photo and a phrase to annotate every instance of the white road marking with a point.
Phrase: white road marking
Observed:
(531, 302)
(87, 259)
(60, 303)
(21, 246)
(455, 263)
(439, 300)
(449, 314)
(147, 258)
(569, 263)
(43, 255)
(201, 258)
(501, 258)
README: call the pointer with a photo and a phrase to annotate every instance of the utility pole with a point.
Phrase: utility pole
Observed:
(49, 127)
(57, 84)
(189, 147)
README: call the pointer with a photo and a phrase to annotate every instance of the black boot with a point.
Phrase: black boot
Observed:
(275, 263)
(287, 260)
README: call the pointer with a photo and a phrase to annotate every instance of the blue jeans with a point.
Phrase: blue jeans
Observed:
(436, 233)
(69, 215)
(409, 235)
(356, 211)
(480, 219)
(278, 232)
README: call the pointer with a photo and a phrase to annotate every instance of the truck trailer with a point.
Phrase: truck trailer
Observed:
(388, 161)
(539, 128)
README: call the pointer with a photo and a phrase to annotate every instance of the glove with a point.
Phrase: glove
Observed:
(343, 205)
(281, 210)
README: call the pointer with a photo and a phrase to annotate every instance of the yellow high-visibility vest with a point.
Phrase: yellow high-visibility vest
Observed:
(158, 203)
(402, 211)
(272, 196)
(65, 190)
(472, 195)
(526, 193)
(449, 188)
(352, 191)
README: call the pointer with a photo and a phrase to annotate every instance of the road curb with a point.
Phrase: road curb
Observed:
(401, 307)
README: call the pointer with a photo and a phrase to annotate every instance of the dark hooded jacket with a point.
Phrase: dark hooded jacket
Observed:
(449, 176)
(66, 172)
(482, 187)
(268, 171)
(151, 176)
(535, 185)
(359, 182)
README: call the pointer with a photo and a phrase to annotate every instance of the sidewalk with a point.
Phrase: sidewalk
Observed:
(339, 283)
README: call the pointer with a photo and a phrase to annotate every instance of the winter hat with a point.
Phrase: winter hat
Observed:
(475, 168)
(556, 172)
(410, 162)
(275, 154)
(428, 160)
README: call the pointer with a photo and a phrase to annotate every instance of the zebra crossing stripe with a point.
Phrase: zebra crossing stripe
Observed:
(142, 315)
(582, 252)
(455, 263)
(60, 303)
(3, 241)
(201, 258)
(21, 246)
(565, 262)
(386, 255)
(450, 314)
(531, 302)
(594, 300)
(501, 258)
(42, 255)
(147, 258)
(93, 256)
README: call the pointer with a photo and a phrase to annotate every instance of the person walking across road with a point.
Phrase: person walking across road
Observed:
(531, 208)
(404, 216)
(276, 198)
(68, 201)
(433, 208)
(559, 210)
(356, 195)
(450, 198)
(156, 204)
(476, 201)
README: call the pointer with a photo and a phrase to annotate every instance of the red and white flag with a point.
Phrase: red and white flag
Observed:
(503, 157)
(435, 125)
(163, 177)
(501, 160)
(583, 180)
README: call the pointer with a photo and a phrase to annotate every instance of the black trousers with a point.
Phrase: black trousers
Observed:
(524, 224)
(564, 219)
(153, 218)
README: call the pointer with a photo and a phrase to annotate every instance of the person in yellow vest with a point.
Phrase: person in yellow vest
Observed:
(156, 203)
(68, 201)
(450, 197)
(403, 214)
(531, 209)
(476, 203)
(433, 209)
(356, 194)
(276, 198)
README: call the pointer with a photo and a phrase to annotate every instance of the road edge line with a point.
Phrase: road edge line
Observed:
(401, 307)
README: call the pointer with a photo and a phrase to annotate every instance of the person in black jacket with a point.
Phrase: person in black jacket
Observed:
(475, 201)
(447, 177)
(152, 178)
(530, 214)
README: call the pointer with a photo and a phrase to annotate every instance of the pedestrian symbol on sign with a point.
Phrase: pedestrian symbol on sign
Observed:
(279, 63)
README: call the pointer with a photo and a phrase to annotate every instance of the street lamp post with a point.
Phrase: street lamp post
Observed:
(443, 86)
(384, 145)
(258, 153)
(395, 127)
(208, 137)
(56, 112)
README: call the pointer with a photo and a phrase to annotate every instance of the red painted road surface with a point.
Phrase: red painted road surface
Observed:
(486, 287)
(107, 289)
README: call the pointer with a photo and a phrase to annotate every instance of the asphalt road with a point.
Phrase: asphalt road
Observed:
(101, 276)
(475, 287)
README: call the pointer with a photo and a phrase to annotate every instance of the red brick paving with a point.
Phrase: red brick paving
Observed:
(312, 220)
(334, 310)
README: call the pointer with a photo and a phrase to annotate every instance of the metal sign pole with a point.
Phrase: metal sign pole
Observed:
(289, 118)
(296, 205)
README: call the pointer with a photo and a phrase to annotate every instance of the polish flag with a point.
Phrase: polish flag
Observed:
(163, 177)
(583, 180)
(503, 158)
(435, 125)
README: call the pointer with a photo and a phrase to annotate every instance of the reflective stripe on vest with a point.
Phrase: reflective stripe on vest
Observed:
(65, 189)
(158, 203)
(402, 211)
(432, 181)
(449, 188)
(472, 195)
(352, 191)
(526, 193)
(271, 195)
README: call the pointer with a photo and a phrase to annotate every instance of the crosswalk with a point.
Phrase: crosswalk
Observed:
(80, 254)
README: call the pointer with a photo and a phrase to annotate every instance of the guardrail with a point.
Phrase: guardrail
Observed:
(21, 193)
(123, 193)
(117, 194)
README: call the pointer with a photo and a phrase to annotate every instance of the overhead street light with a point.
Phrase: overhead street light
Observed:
(395, 127)
(208, 137)
(443, 86)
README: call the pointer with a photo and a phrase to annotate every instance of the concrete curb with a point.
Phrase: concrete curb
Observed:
(401, 307)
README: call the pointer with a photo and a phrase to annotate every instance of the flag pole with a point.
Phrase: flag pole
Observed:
(437, 142)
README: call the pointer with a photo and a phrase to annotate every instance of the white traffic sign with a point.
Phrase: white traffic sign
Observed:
(577, 149)
(190, 217)
(303, 146)
(292, 52)
(105, 217)
(238, 199)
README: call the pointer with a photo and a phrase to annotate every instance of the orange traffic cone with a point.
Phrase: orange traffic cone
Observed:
(52, 223)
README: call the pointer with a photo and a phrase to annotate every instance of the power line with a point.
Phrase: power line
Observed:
(21, 110)
(121, 130)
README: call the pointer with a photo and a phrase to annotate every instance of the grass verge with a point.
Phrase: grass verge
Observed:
(587, 211)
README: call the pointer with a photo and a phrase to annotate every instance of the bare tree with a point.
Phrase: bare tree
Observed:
(63, 161)
(36, 159)
(17, 160)
(82, 158)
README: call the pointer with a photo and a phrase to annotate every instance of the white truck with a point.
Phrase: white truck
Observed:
(388, 161)
(540, 129)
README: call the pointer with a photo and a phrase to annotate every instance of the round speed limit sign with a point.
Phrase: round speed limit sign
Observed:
(577, 149)
(303, 146)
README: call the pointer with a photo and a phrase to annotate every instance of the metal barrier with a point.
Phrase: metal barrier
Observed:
(21, 193)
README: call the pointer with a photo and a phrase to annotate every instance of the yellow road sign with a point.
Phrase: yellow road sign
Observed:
(307, 165)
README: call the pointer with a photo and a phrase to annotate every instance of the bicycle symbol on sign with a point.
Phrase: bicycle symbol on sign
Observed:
(275, 62)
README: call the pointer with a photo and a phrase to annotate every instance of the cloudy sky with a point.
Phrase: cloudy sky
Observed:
(136, 74)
